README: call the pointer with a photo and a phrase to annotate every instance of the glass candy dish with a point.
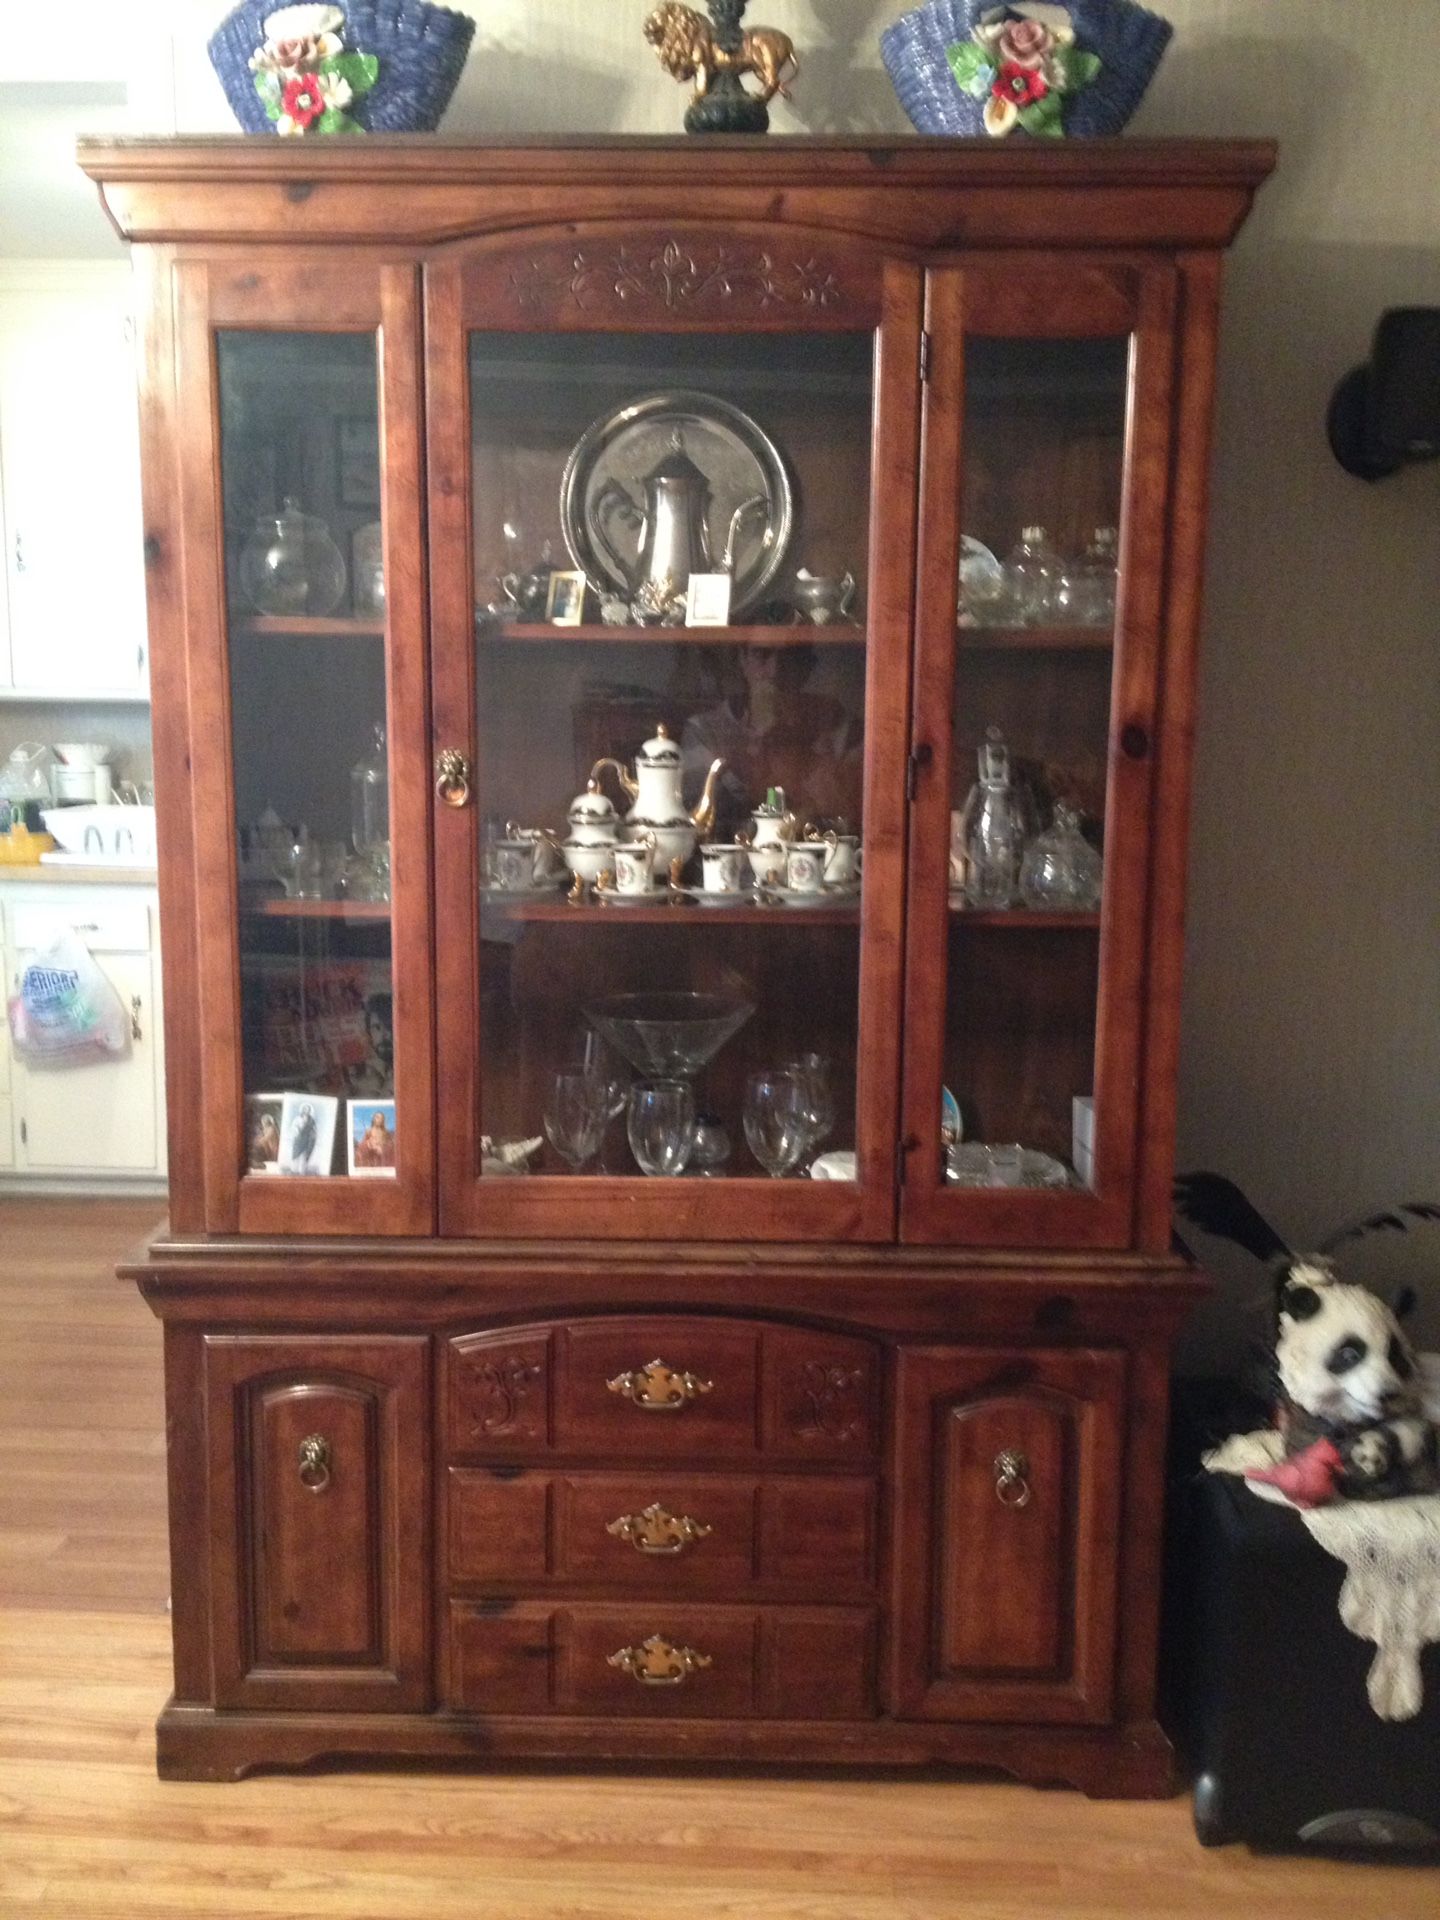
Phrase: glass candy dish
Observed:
(668, 1036)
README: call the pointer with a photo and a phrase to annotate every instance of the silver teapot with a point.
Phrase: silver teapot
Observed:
(672, 526)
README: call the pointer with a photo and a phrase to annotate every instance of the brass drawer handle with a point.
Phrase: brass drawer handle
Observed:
(657, 1662)
(315, 1462)
(656, 1531)
(1012, 1482)
(656, 1388)
(452, 777)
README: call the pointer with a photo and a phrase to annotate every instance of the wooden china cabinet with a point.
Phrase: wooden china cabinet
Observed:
(492, 1433)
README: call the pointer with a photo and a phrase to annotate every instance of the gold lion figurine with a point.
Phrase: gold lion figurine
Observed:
(684, 42)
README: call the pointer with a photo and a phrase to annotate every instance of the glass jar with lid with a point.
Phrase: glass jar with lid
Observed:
(291, 565)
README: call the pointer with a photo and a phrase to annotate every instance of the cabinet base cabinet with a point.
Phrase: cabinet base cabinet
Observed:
(1129, 1762)
(436, 1506)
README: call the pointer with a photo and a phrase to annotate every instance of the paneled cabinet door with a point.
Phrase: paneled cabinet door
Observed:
(668, 402)
(319, 1555)
(1006, 1516)
(1037, 701)
(301, 529)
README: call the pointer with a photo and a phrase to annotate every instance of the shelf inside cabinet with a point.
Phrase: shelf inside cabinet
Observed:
(520, 632)
(664, 913)
(1037, 639)
(1023, 919)
(312, 626)
(321, 909)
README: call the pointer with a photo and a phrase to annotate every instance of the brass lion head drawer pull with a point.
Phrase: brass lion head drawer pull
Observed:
(656, 1388)
(656, 1531)
(452, 777)
(1012, 1479)
(315, 1462)
(657, 1662)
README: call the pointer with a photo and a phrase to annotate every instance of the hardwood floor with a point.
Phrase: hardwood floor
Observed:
(86, 1828)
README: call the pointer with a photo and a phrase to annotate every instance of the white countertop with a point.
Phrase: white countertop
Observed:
(68, 876)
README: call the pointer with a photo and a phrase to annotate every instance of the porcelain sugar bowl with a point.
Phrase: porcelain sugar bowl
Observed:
(594, 831)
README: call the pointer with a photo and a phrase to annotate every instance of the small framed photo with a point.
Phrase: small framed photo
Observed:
(370, 1139)
(307, 1133)
(262, 1132)
(565, 602)
(707, 600)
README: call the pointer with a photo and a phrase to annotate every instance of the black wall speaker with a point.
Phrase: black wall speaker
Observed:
(1386, 414)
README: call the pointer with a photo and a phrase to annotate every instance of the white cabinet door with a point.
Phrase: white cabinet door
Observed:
(99, 1118)
(70, 478)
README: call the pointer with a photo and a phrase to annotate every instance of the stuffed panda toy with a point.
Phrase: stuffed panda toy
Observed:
(1349, 1407)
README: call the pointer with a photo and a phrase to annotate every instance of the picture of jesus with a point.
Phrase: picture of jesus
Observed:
(371, 1138)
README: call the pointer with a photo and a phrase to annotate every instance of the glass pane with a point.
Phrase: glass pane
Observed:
(672, 812)
(301, 464)
(1040, 502)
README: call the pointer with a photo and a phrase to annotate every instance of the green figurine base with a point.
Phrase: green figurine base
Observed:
(727, 110)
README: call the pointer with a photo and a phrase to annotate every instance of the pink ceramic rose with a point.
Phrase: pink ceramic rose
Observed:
(1024, 43)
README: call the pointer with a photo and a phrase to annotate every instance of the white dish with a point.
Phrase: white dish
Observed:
(741, 897)
(82, 754)
(973, 1165)
(835, 1166)
(116, 835)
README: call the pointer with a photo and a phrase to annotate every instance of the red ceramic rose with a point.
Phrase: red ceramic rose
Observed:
(303, 99)
(1022, 86)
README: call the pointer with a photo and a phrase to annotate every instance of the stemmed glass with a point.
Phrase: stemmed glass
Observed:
(661, 1126)
(576, 1113)
(777, 1121)
(812, 1070)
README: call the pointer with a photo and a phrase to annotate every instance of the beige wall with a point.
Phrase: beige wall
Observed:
(1311, 1067)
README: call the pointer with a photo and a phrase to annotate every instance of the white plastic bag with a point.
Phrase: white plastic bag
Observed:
(66, 1013)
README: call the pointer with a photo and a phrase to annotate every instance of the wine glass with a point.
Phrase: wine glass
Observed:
(575, 1117)
(777, 1121)
(661, 1126)
(812, 1070)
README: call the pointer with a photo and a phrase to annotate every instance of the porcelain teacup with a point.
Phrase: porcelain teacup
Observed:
(635, 866)
(805, 866)
(723, 867)
(514, 866)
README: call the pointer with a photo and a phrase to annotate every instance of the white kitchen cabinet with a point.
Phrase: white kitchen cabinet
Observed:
(104, 1120)
(70, 483)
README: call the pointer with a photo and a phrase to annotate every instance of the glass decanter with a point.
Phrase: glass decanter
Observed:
(370, 820)
(994, 828)
(291, 565)
(1061, 871)
(1092, 600)
(1032, 568)
(367, 551)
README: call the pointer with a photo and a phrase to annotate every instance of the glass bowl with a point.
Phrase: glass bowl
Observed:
(668, 1035)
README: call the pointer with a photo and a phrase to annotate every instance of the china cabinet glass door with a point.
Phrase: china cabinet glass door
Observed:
(671, 600)
(1043, 505)
(311, 788)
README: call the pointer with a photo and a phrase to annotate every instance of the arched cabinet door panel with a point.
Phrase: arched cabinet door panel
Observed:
(1006, 1514)
(319, 1551)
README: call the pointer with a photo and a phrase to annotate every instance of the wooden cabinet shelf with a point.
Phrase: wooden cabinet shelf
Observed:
(904, 1503)
(524, 632)
(310, 626)
(1036, 639)
(321, 910)
(1022, 919)
(663, 913)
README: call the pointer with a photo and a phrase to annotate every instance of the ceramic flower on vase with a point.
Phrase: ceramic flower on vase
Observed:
(1022, 61)
(306, 76)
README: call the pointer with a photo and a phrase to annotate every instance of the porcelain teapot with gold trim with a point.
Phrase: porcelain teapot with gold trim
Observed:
(659, 805)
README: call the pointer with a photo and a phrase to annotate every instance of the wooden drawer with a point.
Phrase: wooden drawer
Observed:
(663, 1387)
(787, 1663)
(722, 1534)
